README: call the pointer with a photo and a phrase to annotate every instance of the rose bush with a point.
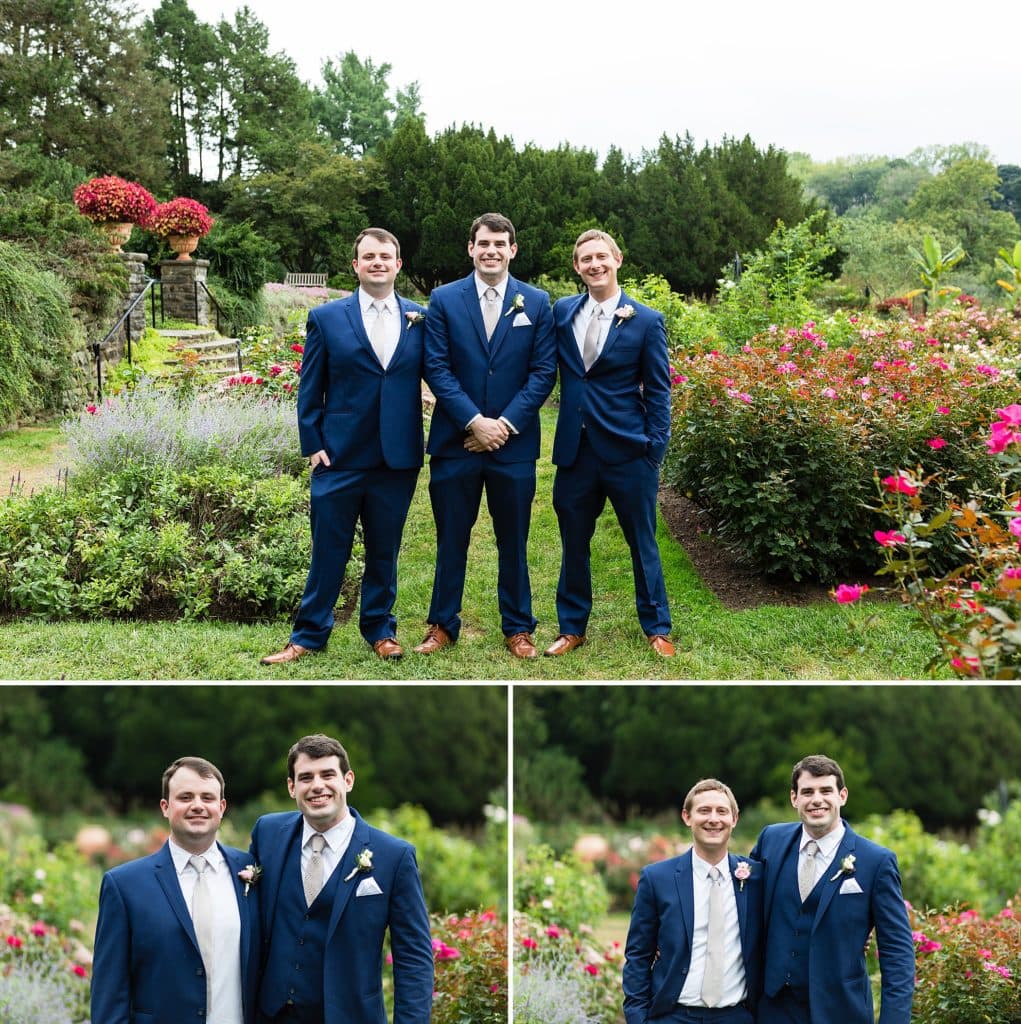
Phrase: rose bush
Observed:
(114, 199)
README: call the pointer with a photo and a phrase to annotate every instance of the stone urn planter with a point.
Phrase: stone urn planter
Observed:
(183, 245)
(117, 232)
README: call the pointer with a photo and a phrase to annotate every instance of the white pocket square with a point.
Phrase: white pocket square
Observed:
(370, 887)
(521, 320)
(849, 885)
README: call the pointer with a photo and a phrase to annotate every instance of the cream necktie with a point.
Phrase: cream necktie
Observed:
(313, 880)
(202, 918)
(806, 871)
(712, 980)
(590, 347)
(490, 311)
(378, 336)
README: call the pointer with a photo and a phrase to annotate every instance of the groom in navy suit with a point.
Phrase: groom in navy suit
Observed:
(826, 889)
(332, 886)
(612, 432)
(178, 931)
(360, 424)
(491, 363)
(694, 946)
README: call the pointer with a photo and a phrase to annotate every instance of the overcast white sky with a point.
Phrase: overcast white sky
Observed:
(877, 77)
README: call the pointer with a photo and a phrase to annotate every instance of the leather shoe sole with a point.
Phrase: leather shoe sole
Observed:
(435, 638)
(521, 646)
(292, 652)
(388, 649)
(564, 644)
(662, 645)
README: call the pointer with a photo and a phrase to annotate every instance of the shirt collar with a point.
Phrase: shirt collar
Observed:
(366, 301)
(181, 857)
(334, 836)
(607, 305)
(702, 868)
(829, 842)
(481, 287)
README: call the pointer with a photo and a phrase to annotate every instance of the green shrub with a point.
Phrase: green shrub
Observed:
(689, 324)
(559, 891)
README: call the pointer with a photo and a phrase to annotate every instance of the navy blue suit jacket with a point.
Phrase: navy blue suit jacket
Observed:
(839, 988)
(658, 949)
(353, 958)
(623, 399)
(348, 405)
(147, 967)
(511, 375)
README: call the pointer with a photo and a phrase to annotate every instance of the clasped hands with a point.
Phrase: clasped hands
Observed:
(486, 435)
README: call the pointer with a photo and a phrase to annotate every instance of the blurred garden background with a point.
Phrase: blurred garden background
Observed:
(80, 771)
(600, 775)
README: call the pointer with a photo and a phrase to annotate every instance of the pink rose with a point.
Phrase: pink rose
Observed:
(848, 593)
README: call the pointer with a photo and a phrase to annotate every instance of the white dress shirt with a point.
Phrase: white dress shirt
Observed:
(827, 849)
(337, 839)
(584, 315)
(225, 1007)
(734, 987)
(392, 321)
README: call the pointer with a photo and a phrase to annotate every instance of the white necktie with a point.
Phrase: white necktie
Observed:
(806, 871)
(491, 311)
(712, 980)
(378, 336)
(590, 347)
(202, 918)
(313, 880)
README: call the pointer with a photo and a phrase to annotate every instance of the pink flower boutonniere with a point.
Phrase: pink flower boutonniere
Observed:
(623, 313)
(742, 873)
(413, 316)
(250, 875)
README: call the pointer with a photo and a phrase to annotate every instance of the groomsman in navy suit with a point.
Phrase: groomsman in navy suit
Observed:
(826, 889)
(694, 946)
(612, 433)
(178, 932)
(490, 361)
(360, 424)
(332, 887)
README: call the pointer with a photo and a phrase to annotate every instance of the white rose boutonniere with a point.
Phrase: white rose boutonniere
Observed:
(363, 862)
(517, 304)
(413, 316)
(623, 313)
(742, 872)
(846, 867)
(250, 875)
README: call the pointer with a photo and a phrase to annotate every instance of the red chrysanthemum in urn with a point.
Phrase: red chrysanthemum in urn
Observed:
(181, 216)
(108, 199)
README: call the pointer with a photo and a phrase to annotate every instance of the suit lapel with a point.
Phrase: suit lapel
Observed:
(616, 326)
(473, 308)
(403, 308)
(166, 876)
(234, 865)
(345, 890)
(834, 877)
(354, 319)
(503, 325)
(685, 880)
(741, 898)
(287, 833)
(569, 349)
(784, 843)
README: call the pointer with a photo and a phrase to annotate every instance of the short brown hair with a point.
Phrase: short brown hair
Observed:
(817, 765)
(315, 746)
(199, 765)
(591, 235)
(704, 786)
(495, 222)
(381, 235)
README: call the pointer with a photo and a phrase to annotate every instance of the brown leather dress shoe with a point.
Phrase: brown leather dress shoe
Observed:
(292, 652)
(662, 645)
(435, 638)
(563, 644)
(521, 646)
(388, 649)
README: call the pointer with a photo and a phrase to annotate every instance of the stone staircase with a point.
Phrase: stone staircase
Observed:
(215, 354)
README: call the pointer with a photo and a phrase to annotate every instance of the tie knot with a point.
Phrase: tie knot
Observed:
(379, 307)
(715, 875)
(199, 864)
(597, 312)
(492, 295)
(317, 842)
(811, 848)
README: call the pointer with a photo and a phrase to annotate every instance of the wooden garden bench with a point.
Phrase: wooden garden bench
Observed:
(305, 280)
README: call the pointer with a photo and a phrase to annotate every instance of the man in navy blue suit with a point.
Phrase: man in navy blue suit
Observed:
(178, 931)
(332, 886)
(694, 946)
(491, 363)
(360, 424)
(826, 889)
(612, 432)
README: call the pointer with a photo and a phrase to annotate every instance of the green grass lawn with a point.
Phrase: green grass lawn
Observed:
(770, 642)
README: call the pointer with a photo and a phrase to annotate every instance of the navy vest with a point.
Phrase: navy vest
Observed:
(294, 966)
(790, 931)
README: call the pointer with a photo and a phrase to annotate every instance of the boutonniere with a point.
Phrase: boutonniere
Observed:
(413, 316)
(742, 872)
(846, 867)
(250, 875)
(623, 313)
(517, 304)
(363, 862)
